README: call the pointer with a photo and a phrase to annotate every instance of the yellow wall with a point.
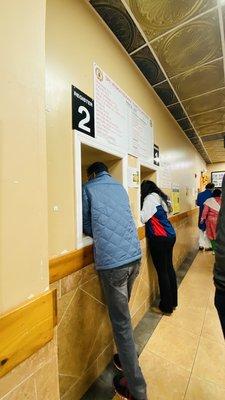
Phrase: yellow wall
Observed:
(75, 38)
(23, 241)
(213, 168)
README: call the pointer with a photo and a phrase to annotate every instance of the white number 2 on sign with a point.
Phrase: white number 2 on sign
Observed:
(84, 121)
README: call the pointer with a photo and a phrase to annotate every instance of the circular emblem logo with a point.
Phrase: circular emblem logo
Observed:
(99, 74)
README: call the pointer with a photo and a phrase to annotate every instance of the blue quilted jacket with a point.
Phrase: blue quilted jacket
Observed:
(107, 218)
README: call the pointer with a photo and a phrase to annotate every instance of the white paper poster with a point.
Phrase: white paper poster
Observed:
(119, 121)
(217, 178)
(110, 112)
(133, 177)
(164, 175)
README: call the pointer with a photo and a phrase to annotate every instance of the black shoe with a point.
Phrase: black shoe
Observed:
(208, 249)
(158, 310)
(201, 248)
(121, 388)
(117, 363)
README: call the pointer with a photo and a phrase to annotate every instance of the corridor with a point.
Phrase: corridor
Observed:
(185, 356)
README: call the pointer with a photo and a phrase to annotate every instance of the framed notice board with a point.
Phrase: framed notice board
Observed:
(217, 178)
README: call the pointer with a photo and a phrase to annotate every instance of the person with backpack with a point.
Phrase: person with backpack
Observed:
(155, 206)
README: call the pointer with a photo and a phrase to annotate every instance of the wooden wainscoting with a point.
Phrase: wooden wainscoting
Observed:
(61, 266)
(26, 329)
(74, 260)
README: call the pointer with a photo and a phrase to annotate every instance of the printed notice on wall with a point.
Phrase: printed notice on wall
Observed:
(164, 175)
(133, 177)
(176, 199)
(119, 122)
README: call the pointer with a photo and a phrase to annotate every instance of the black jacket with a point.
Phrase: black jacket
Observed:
(219, 267)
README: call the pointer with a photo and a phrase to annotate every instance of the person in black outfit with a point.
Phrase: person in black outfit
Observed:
(161, 238)
(219, 267)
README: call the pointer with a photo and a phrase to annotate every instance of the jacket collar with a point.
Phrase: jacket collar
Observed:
(103, 173)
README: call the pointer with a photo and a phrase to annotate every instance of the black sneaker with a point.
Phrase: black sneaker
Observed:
(201, 248)
(120, 384)
(117, 363)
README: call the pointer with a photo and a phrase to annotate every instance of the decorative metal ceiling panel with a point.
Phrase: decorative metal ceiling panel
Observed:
(188, 46)
(184, 124)
(177, 111)
(166, 94)
(148, 65)
(205, 102)
(200, 80)
(210, 117)
(208, 129)
(216, 136)
(119, 21)
(178, 45)
(216, 150)
(159, 16)
(190, 133)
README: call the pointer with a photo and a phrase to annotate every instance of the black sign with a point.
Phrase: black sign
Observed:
(156, 154)
(82, 112)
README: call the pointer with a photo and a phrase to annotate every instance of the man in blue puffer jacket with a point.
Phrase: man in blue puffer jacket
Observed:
(108, 220)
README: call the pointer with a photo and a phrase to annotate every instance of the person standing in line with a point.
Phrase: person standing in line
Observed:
(161, 238)
(108, 220)
(204, 243)
(219, 267)
(210, 215)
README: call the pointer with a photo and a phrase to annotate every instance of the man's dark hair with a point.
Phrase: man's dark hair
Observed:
(96, 168)
(210, 186)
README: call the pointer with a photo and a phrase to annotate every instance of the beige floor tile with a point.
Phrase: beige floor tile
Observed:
(188, 295)
(195, 282)
(26, 391)
(198, 280)
(211, 298)
(200, 389)
(212, 328)
(187, 317)
(174, 344)
(46, 378)
(160, 375)
(210, 362)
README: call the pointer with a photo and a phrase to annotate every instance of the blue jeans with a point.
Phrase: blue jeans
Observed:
(117, 284)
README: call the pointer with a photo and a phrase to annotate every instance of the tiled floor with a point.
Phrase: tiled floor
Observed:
(185, 356)
(182, 356)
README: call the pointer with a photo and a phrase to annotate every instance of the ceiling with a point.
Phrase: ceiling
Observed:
(179, 47)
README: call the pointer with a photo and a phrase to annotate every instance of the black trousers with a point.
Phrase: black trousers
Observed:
(220, 306)
(161, 249)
